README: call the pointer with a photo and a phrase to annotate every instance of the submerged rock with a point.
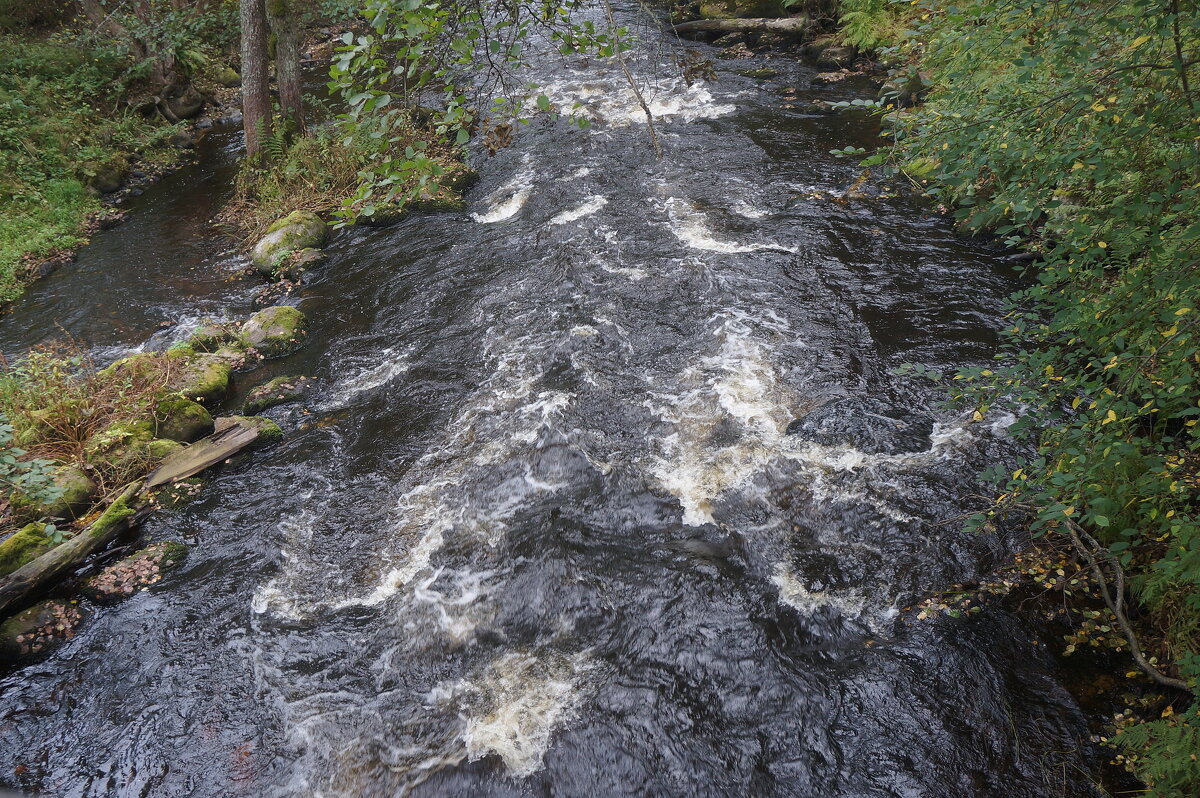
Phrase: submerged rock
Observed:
(39, 629)
(866, 424)
(136, 572)
(178, 418)
(23, 546)
(275, 331)
(297, 231)
(277, 391)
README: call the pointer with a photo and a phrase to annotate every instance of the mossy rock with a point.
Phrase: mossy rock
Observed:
(122, 445)
(141, 366)
(296, 231)
(199, 376)
(178, 418)
(211, 336)
(225, 75)
(78, 491)
(162, 448)
(277, 391)
(275, 331)
(23, 547)
(39, 629)
(384, 215)
(108, 175)
(741, 9)
(136, 572)
(268, 430)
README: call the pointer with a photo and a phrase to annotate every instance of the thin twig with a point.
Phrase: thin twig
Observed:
(1117, 605)
(612, 22)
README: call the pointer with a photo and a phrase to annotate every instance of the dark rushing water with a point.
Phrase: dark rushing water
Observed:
(540, 531)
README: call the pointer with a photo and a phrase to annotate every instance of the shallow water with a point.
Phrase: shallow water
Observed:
(540, 529)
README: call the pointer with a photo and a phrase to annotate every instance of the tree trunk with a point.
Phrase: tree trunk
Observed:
(63, 559)
(285, 24)
(789, 26)
(256, 96)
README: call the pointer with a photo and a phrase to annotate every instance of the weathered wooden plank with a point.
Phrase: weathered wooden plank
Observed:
(206, 452)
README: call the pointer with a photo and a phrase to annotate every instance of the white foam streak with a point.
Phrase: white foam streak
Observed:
(691, 227)
(589, 207)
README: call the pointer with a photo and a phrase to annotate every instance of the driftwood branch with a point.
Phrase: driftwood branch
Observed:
(797, 27)
(612, 22)
(1116, 604)
(52, 566)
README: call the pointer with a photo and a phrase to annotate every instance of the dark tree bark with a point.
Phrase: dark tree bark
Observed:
(256, 95)
(285, 24)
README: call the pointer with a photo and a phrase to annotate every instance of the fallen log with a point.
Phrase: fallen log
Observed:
(55, 564)
(797, 27)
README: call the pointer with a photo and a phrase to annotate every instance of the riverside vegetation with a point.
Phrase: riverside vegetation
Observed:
(1071, 130)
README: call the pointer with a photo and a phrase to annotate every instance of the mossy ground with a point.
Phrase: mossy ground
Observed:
(62, 117)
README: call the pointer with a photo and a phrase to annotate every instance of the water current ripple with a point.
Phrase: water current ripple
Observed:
(542, 530)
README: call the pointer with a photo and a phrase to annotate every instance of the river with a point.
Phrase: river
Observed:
(540, 529)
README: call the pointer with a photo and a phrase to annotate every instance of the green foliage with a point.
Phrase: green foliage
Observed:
(464, 52)
(1164, 753)
(1070, 128)
(58, 119)
(32, 477)
(871, 24)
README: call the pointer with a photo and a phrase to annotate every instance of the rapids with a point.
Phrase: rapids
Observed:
(541, 531)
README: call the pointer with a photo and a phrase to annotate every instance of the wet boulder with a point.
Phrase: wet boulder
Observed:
(275, 331)
(275, 392)
(178, 418)
(297, 231)
(39, 629)
(836, 56)
(867, 425)
(136, 572)
(23, 546)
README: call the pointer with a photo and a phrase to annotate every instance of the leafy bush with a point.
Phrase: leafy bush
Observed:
(1069, 127)
(870, 24)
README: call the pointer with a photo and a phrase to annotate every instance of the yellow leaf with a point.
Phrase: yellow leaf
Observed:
(1075, 402)
(1138, 42)
(1182, 311)
(1076, 166)
(977, 416)
(1068, 510)
(1109, 418)
(1102, 245)
(1174, 329)
(1097, 106)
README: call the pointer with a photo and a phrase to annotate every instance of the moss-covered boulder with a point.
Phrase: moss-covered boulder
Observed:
(136, 572)
(212, 335)
(39, 629)
(76, 492)
(225, 75)
(23, 547)
(107, 176)
(296, 231)
(275, 331)
(122, 445)
(199, 376)
(178, 418)
(741, 9)
(275, 392)
(268, 430)
(140, 366)
(162, 448)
